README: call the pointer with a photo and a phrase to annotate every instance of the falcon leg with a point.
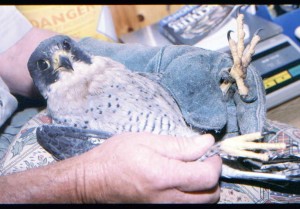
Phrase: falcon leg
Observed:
(241, 59)
(245, 146)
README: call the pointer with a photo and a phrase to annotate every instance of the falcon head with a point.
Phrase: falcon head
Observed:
(51, 57)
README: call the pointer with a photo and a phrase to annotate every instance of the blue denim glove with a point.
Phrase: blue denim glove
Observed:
(192, 75)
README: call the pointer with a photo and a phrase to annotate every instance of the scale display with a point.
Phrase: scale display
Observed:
(279, 66)
(278, 61)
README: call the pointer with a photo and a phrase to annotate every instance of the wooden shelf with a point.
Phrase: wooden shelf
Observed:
(128, 18)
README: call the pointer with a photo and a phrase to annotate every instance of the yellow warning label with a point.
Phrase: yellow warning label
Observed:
(73, 20)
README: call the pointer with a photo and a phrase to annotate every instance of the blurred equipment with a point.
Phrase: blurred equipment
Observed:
(277, 55)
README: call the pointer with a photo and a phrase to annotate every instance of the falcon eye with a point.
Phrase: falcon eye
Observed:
(66, 45)
(43, 64)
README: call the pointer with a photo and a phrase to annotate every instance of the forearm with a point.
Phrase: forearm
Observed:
(127, 168)
(13, 68)
(57, 183)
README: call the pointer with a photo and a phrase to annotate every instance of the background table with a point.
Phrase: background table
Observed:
(288, 112)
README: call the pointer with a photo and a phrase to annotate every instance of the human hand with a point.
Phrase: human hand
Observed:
(130, 167)
(145, 167)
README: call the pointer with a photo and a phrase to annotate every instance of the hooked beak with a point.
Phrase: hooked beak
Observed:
(64, 63)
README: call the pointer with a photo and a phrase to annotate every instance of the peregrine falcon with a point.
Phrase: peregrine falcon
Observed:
(91, 98)
(92, 92)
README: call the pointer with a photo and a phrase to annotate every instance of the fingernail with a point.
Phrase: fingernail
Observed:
(205, 139)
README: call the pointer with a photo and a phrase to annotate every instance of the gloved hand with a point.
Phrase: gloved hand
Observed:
(193, 76)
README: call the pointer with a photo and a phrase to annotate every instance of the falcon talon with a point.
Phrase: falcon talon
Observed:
(265, 133)
(289, 146)
(238, 11)
(257, 31)
(228, 35)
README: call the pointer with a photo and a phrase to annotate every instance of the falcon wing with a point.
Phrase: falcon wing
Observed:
(65, 142)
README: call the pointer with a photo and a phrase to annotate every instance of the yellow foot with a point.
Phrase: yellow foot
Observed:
(241, 58)
(243, 146)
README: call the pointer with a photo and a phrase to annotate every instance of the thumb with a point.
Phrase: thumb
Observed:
(181, 148)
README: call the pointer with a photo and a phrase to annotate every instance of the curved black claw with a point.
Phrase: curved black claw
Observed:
(257, 31)
(65, 142)
(265, 133)
(248, 99)
(228, 34)
(238, 11)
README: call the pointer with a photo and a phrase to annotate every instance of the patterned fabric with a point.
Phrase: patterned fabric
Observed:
(25, 153)
(8, 103)
(276, 192)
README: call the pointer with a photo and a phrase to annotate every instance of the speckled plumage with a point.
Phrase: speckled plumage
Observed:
(104, 95)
